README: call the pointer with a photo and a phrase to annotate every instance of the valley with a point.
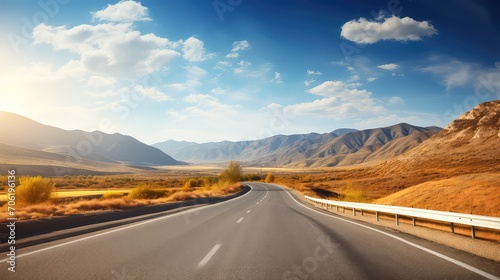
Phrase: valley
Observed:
(451, 169)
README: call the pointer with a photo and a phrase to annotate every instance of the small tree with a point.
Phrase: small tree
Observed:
(269, 178)
(33, 190)
(233, 173)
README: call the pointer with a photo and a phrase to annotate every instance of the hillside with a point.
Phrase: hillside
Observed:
(471, 193)
(457, 169)
(28, 141)
(471, 143)
(337, 148)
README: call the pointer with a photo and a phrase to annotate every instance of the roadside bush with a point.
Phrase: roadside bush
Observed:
(233, 173)
(193, 183)
(111, 195)
(146, 192)
(34, 190)
(270, 178)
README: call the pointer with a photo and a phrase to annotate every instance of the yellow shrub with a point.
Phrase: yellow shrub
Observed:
(146, 192)
(34, 190)
(112, 195)
(269, 178)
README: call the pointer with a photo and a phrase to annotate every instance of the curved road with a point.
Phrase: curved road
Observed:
(264, 234)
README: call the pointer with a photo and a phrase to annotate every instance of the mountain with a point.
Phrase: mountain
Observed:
(470, 142)
(342, 131)
(340, 147)
(457, 169)
(25, 138)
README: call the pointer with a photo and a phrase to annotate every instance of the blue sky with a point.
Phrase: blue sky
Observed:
(239, 69)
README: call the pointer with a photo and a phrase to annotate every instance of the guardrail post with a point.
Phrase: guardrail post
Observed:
(414, 221)
(361, 212)
(397, 219)
(452, 225)
(473, 231)
(337, 208)
(353, 211)
(376, 216)
(343, 209)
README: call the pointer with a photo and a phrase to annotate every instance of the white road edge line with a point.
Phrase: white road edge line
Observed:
(210, 254)
(127, 227)
(439, 255)
(239, 221)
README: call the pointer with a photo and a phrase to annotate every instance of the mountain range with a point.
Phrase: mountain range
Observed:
(339, 147)
(470, 140)
(27, 142)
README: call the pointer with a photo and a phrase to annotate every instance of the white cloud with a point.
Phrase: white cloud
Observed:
(223, 65)
(232, 55)
(194, 50)
(276, 78)
(207, 107)
(273, 107)
(353, 78)
(218, 91)
(389, 66)
(454, 73)
(397, 75)
(371, 79)
(314, 107)
(152, 93)
(98, 83)
(311, 72)
(363, 31)
(242, 67)
(196, 72)
(340, 101)
(238, 46)
(109, 49)
(309, 82)
(124, 11)
(188, 85)
(395, 100)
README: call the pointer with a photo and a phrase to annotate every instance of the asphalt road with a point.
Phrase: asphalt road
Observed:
(264, 234)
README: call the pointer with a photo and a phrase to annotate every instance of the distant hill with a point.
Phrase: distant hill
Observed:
(24, 139)
(340, 147)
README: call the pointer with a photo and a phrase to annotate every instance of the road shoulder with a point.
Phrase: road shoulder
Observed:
(482, 248)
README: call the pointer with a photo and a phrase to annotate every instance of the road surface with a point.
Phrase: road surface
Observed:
(264, 234)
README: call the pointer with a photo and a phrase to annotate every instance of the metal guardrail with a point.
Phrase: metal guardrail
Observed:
(450, 217)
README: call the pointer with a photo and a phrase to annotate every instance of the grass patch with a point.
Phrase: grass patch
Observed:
(146, 192)
(111, 195)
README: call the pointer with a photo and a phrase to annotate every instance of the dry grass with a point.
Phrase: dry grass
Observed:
(111, 195)
(473, 193)
(111, 202)
(433, 188)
